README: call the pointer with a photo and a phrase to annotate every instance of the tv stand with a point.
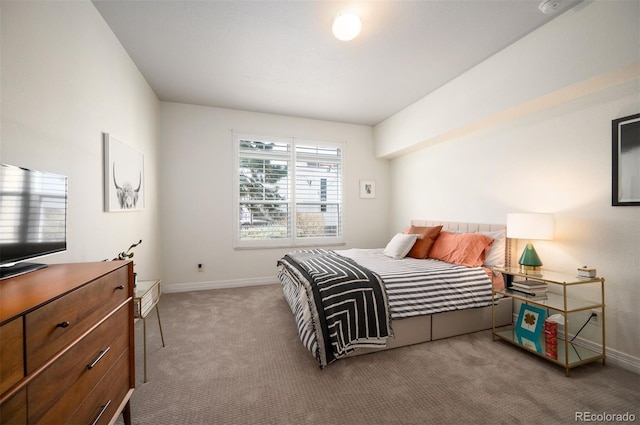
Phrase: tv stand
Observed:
(20, 268)
(67, 345)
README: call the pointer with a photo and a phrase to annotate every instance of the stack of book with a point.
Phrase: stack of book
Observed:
(532, 288)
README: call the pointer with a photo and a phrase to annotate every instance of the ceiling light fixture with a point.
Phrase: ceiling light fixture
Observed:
(347, 26)
(549, 6)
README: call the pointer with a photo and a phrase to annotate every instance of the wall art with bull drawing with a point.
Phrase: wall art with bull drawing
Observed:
(123, 176)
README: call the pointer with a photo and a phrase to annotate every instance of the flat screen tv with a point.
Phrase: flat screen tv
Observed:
(33, 218)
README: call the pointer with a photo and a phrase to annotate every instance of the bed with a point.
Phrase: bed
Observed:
(358, 301)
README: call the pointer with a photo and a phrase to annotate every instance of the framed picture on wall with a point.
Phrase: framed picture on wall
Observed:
(123, 176)
(367, 189)
(625, 137)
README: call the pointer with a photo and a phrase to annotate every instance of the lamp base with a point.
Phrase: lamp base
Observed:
(529, 261)
(532, 270)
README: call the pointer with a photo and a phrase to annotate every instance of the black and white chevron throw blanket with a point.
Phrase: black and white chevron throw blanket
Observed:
(348, 302)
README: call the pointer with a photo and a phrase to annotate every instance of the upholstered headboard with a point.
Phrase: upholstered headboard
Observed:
(462, 227)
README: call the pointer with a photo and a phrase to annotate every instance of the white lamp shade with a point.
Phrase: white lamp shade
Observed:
(347, 26)
(530, 226)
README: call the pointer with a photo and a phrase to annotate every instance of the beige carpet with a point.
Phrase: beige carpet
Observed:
(233, 357)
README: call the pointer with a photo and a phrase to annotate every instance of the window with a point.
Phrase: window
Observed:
(288, 191)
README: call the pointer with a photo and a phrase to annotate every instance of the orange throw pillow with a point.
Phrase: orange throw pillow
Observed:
(465, 249)
(426, 238)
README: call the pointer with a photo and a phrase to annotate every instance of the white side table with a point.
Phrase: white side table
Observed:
(147, 295)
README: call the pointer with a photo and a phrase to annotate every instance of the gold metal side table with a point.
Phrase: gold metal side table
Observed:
(577, 299)
(147, 295)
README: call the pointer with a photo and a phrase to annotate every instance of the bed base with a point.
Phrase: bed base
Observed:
(420, 329)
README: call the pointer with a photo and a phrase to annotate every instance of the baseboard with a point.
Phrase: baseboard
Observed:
(218, 284)
(618, 358)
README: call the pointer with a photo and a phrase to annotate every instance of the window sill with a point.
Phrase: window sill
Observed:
(305, 246)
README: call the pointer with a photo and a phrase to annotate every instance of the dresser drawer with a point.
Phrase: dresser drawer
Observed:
(11, 354)
(56, 324)
(101, 405)
(14, 410)
(56, 393)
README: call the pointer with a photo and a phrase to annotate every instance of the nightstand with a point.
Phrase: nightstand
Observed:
(147, 295)
(573, 296)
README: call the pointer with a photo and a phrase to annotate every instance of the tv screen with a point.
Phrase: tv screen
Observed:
(33, 217)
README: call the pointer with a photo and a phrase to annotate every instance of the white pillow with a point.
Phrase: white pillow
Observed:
(495, 255)
(400, 245)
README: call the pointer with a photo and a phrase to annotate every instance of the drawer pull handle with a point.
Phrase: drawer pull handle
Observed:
(103, 409)
(100, 356)
(120, 287)
(64, 324)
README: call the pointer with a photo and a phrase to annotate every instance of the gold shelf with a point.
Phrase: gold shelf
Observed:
(553, 301)
(548, 276)
(577, 354)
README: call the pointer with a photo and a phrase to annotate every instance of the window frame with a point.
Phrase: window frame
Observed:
(293, 240)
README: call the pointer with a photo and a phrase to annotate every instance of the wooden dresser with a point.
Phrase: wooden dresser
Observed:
(67, 344)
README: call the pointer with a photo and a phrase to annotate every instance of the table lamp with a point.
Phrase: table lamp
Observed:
(530, 226)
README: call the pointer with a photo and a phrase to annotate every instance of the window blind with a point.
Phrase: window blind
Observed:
(289, 191)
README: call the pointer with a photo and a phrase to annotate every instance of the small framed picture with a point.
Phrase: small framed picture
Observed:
(367, 189)
(530, 322)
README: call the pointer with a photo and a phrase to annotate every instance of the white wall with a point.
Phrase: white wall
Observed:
(65, 79)
(587, 49)
(197, 193)
(553, 159)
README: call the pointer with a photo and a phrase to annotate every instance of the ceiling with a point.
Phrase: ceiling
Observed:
(280, 57)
